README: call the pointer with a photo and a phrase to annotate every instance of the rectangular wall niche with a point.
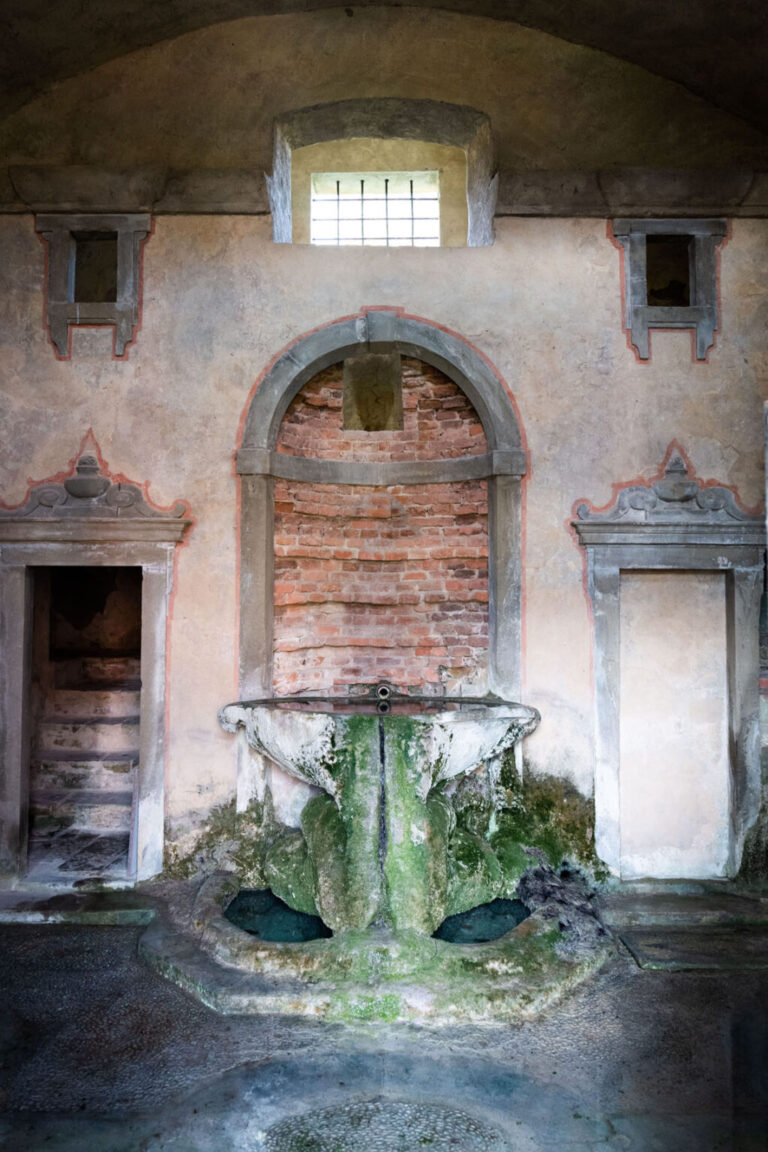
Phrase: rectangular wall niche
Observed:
(95, 267)
(674, 771)
(372, 393)
(670, 278)
(93, 273)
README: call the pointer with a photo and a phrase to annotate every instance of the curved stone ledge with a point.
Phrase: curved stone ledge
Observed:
(369, 976)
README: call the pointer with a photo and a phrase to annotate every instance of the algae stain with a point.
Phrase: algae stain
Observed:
(386, 1008)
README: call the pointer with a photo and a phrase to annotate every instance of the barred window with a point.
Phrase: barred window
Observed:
(381, 209)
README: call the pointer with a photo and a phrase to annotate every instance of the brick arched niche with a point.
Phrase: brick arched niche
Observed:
(259, 464)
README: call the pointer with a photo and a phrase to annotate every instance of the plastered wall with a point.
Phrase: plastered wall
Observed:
(220, 300)
(209, 98)
(674, 779)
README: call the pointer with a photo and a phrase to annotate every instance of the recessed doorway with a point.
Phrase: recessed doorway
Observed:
(85, 722)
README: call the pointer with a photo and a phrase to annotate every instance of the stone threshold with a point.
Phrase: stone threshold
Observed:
(112, 904)
(681, 903)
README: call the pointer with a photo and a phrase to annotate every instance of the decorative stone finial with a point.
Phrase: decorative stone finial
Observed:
(88, 482)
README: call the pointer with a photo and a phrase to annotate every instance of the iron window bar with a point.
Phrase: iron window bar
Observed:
(410, 235)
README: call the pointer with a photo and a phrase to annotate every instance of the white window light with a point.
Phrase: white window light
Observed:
(380, 209)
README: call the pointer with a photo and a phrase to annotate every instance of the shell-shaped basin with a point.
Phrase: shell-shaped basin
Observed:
(309, 736)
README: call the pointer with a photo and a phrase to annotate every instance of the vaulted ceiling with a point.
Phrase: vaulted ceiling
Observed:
(717, 50)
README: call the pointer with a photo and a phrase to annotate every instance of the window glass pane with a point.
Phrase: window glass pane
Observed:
(378, 208)
(425, 209)
(324, 209)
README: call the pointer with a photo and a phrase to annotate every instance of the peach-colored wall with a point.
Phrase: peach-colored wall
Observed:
(543, 304)
(674, 773)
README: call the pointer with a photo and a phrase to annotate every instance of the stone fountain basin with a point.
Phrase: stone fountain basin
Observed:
(372, 975)
(450, 737)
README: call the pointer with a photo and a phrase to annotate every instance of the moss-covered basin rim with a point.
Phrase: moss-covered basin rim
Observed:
(306, 735)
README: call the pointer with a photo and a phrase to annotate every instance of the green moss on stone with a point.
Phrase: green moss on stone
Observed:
(408, 861)
(386, 1008)
(357, 770)
(547, 813)
(475, 873)
(288, 871)
(227, 840)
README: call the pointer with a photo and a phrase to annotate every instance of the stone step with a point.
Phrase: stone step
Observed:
(98, 672)
(77, 853)
(102, 774)
(699, 906)
(100, 811)
(92, 702)
(106, 735)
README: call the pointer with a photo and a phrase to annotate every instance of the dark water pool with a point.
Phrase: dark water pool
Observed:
(261, 913)
(484, 923)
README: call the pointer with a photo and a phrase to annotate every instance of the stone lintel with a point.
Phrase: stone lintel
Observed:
(263, 462)
(161, 531)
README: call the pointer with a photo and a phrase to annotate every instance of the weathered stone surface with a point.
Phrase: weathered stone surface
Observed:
(378, 840)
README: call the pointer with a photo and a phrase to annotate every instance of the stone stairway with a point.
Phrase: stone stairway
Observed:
(83, 771)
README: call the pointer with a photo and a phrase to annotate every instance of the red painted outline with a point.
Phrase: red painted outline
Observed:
(623, 284)
(63, 359)
(523, 443)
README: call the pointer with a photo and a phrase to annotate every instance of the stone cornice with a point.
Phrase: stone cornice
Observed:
(731, 192)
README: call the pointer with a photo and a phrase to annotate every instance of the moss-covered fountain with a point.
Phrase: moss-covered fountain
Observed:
(416, 814)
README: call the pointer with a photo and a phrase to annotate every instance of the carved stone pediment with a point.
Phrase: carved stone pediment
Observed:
(90, 498)
(88, 493)
(675, 497)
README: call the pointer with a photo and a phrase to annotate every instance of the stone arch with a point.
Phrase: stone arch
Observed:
(258, 465)
(430, 121)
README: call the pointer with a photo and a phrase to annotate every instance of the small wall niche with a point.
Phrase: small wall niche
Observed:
(95, 267)
(671, 278)
(669, 270)
(372, 396)
(93, 273)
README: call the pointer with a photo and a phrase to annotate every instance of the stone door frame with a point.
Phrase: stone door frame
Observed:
(674, 523)
(53, 529)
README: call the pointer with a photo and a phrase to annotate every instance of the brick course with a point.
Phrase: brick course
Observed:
(380, 583)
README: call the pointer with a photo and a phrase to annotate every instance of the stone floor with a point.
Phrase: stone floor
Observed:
(98, 1053)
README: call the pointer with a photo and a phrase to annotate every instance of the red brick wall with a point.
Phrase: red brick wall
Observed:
(381, 583)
